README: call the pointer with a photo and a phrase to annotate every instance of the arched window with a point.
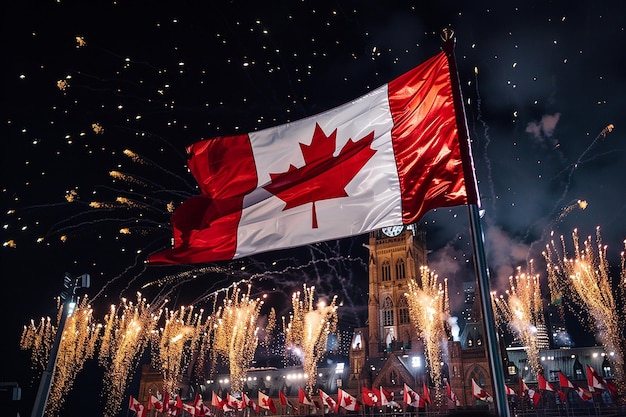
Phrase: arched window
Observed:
(400, 270)
(403, 311)
(388, 312)
(385, 272)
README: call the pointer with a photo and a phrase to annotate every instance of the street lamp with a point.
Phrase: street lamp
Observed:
(70, 285)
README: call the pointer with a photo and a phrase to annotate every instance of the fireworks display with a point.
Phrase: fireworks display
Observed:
(428, 310)
(584, 278)
(101, 100)
(306, 334)
(235, 335)
(521, 311)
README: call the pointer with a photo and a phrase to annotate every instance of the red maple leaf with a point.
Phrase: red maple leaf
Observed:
(323, 176)
(347, 401)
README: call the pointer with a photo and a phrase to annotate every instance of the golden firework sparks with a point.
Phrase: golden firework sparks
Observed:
(308, 330)
(235, 334)
(521, 311)
(428, 310)
(585, 280)
(127, 330)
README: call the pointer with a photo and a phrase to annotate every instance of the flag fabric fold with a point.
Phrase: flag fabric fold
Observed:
(347, 401)
(383, 159)
(509, 390)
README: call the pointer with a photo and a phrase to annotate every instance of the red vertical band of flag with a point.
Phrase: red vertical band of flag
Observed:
(425, 140)
(383, 159)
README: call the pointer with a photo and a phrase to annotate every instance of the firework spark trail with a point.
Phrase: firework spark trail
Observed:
(585, 279)
(78, 343)
(427, 310)
(308, 330)
(581, 204)
(487, 143)
(522, 312)
(575, 165)
(144, 160)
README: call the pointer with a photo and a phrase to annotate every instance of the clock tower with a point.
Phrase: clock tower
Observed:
(396, 254)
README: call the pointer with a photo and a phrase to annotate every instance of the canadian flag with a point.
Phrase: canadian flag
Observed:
(426, 393)
(412, 398)
(544, 385)
(137, 407)
(347, 401)
(594, 380)
(534, 396)
(201, 408)
(190, 408)
(584, 394)
(328, 400)
(564, 382)
(369, 397)
(303, 397)
(509, 390)
(265, 401)
(284, 400)
(386, 398)
(216, 400)
(155, 403)
(480, 393)
(233, 402)
(450, 393)
(383, 159)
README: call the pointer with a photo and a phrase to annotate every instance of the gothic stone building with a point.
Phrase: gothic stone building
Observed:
(388, 352)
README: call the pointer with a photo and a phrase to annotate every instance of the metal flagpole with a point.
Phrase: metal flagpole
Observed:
(480, 263)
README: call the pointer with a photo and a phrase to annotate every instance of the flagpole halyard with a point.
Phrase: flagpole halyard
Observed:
(480, 263)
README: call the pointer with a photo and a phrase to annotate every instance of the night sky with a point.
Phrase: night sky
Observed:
(84, 84)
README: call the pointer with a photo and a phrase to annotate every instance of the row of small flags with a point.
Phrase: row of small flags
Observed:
(373, 397)
(594, 382)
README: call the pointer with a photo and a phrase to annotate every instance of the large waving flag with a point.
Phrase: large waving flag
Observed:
(594, 380)
(383, 159)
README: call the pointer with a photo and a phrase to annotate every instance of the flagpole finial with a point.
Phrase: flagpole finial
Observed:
(448, 39)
